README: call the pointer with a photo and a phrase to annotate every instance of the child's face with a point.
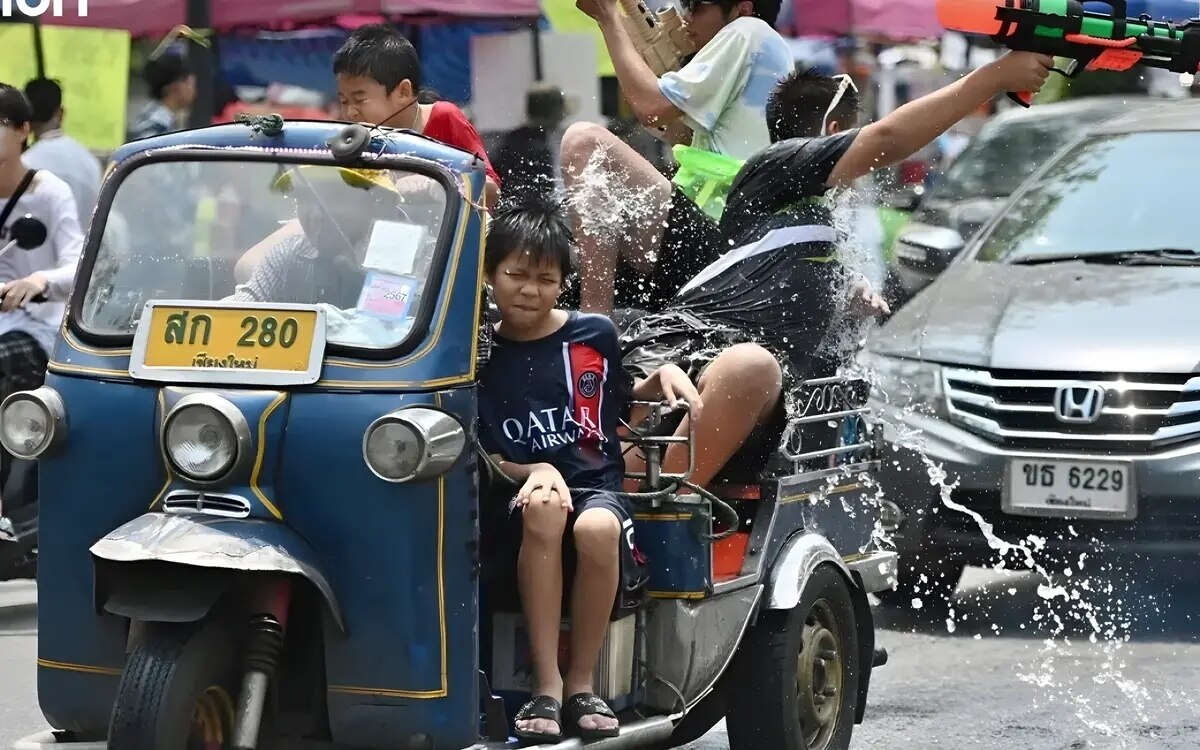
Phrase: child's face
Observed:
(12, 139)
(525, 292)
(364, 99)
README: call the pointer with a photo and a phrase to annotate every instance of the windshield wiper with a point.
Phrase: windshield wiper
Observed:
(1157, 256)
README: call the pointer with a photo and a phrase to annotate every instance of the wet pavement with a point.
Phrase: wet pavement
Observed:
(988, 684)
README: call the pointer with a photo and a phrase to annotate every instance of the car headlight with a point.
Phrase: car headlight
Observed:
(902, 382)
(32, 422)
(204, 435)
(412, 443)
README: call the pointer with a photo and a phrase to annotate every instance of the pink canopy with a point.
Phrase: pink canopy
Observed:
(895, 19)
(160, 16)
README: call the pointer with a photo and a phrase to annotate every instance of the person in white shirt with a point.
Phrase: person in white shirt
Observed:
(623, 208)
(58, 153)
(27, 326)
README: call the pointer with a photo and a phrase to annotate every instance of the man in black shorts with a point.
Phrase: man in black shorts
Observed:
(748, 326)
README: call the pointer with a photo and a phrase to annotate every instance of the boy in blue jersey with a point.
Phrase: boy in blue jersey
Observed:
(550, 403)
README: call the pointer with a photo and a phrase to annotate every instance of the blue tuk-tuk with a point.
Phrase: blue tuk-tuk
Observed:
(260, 493)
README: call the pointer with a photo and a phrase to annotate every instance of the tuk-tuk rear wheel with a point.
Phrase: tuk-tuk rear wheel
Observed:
(178, 689)
(795, 678)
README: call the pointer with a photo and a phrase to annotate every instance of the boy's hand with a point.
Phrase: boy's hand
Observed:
(864, 300)
(1021, 71)
(600, 10)
(545, 484)
(677, 386)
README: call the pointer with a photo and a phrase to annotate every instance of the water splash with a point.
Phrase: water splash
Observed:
(1109, 700)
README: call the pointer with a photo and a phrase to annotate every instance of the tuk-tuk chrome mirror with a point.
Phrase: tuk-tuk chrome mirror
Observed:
(413, 443)
(32, 422)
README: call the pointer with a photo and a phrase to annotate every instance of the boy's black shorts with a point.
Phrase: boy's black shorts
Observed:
(691, 241)
(504, 530)
(690, 343)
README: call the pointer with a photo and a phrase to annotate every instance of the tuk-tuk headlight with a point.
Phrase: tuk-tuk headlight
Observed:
(31, 422)
(412, 443)
(204, 435)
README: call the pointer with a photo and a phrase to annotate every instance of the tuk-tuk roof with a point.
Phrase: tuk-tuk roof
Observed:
(305, 135)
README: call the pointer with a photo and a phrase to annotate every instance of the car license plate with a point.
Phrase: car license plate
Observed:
(1070, 489)
(244, 343)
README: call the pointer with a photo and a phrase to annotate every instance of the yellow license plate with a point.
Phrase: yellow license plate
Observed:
(198, 337)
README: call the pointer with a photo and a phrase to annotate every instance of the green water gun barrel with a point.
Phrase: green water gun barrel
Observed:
(1096, 41)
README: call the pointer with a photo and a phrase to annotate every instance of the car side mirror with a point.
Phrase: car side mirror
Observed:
(29, 233)
(929, 248)
(905, 198)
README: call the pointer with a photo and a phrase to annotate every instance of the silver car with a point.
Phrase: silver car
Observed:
(1054, 369)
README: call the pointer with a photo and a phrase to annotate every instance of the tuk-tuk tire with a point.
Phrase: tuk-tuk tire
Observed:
(763, 707)
(172, 667)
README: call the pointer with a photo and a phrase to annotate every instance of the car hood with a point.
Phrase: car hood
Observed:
(1063, 316)
(967, 215)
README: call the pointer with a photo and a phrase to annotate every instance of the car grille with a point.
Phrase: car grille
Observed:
(1017, 409)
(187, 501)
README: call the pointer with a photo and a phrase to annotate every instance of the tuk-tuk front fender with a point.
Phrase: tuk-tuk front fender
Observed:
(199, 552)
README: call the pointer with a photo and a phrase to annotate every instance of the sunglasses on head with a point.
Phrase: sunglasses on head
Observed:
(844, 82)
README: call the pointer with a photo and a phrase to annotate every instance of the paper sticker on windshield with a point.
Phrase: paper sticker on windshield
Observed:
(393, 246)
(387, 296)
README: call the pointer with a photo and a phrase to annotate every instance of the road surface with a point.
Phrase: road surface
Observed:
(990, 684)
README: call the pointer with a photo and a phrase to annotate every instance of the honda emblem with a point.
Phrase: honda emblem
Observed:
(1079, 403)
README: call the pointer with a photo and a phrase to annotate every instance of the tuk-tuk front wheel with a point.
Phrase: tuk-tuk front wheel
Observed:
(178, 690)
(796, 674)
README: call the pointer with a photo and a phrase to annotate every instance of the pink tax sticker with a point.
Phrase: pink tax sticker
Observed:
(387, 296)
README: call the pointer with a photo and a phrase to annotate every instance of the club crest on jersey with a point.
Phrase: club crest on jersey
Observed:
(589, 384)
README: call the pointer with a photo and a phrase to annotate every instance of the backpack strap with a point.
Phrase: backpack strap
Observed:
(12, 200)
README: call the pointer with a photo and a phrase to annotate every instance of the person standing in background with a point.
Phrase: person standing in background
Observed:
(528, 156)
(58, 153)
(172, 92)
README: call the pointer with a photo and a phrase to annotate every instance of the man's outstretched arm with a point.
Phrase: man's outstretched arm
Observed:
(913, 126)
(638, 82)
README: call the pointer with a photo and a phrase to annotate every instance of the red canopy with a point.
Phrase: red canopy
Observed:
(891, 19)
(152, 17)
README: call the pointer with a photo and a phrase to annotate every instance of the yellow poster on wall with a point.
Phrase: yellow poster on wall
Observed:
(91, 65)
(565, 18)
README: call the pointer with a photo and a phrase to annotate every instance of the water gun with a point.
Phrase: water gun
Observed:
(1092, 41)
(660, 38)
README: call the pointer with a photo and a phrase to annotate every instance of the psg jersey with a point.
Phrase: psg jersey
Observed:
(558, 400)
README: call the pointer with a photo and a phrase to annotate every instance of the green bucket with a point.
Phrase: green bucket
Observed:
(705, 177)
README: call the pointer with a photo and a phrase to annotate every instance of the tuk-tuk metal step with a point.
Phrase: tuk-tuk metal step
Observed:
(634, 734)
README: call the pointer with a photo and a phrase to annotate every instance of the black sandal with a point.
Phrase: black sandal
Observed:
(588, 704)
(539, 707)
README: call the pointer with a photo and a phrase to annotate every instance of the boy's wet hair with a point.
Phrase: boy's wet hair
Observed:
(377, 51)
(14, 107)
(533, 222)
(767, 10)
(45, 96)
(798, 104)
(164, 70)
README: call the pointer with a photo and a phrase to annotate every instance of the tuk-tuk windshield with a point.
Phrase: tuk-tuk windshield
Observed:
(358, 242)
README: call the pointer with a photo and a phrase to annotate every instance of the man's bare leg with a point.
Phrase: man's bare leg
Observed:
(597, 535)
(740, 389)
(619, 204)
(539, 576)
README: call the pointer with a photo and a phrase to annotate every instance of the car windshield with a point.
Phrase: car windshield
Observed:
(1004, 156)
(356, 242)
(1101, 198)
